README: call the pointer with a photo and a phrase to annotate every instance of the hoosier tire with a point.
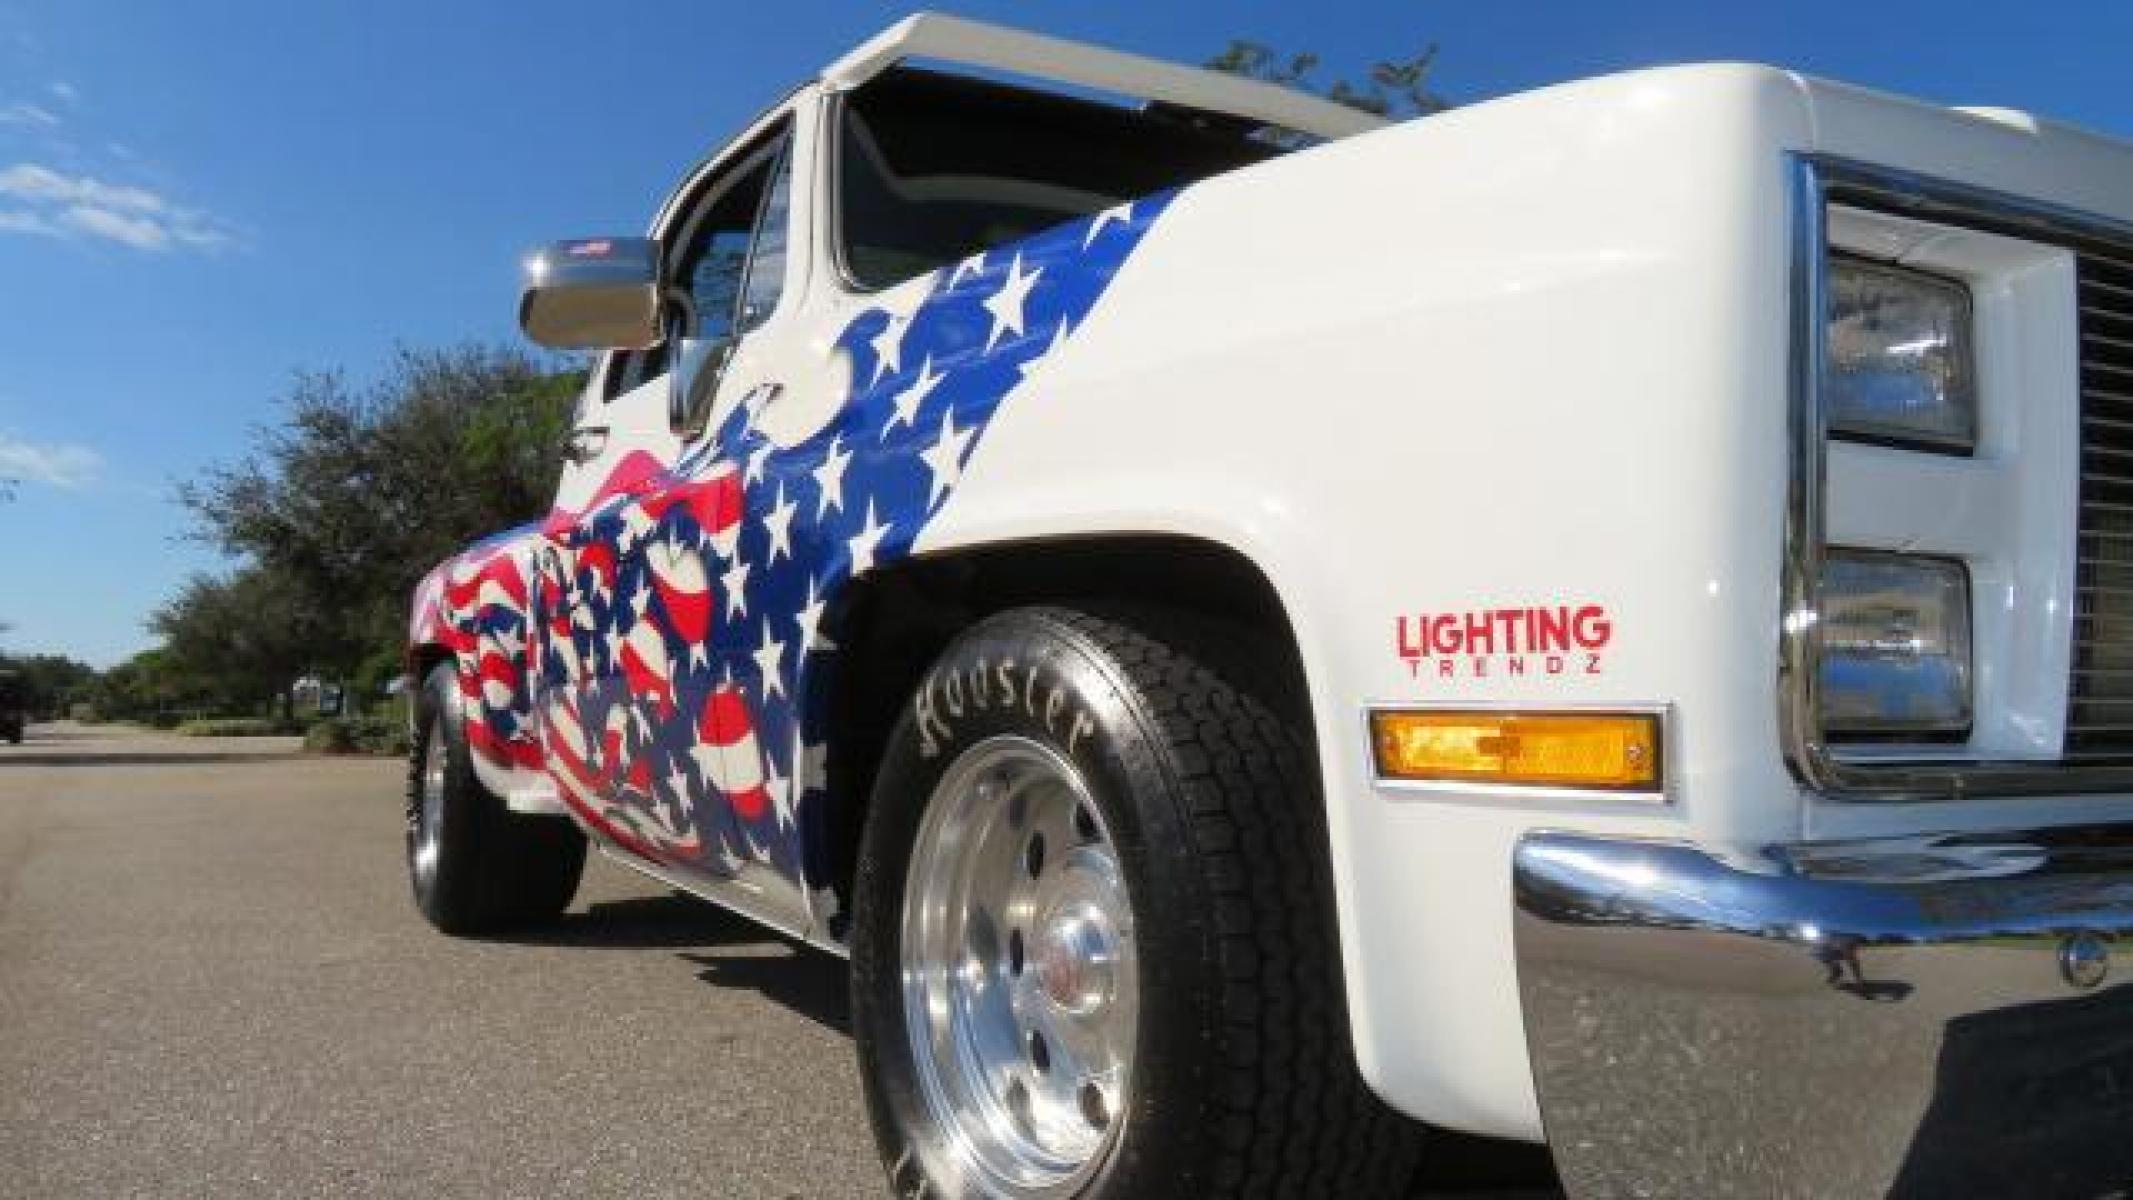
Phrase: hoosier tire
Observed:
(985, 993)
(477, 867)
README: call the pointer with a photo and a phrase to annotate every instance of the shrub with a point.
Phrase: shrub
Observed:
(358, 735)
(381, 735)
(330, 736)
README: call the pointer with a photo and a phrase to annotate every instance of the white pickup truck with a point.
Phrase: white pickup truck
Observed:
(1602, 617)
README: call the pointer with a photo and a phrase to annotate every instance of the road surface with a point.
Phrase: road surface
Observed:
(212, 982)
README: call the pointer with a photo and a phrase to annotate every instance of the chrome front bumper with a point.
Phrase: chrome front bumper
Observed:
(1920, 1017)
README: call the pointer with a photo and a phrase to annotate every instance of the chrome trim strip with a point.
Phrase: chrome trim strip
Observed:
(1923, 1016)
(1663, 795)
(734, 895)
(1813, 182)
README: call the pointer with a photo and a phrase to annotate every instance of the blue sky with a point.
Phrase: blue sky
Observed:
(197, 200)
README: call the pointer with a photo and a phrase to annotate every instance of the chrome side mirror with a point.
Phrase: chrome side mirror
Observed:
(592, 294)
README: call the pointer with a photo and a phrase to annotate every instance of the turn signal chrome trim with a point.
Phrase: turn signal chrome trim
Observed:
(1600, 750)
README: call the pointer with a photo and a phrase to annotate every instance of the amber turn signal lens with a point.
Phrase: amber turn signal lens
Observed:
(1611, 751)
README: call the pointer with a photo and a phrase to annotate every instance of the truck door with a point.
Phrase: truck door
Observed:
(650, 719)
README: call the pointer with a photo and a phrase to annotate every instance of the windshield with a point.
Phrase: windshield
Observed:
(934, 168)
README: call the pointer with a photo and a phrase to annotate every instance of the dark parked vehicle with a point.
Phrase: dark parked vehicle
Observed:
(14, 706)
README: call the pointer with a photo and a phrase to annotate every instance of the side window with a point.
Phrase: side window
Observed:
(730, 266)
(766, 267)
(729, 292)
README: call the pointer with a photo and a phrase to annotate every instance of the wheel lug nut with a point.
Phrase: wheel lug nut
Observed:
(1093, 1108)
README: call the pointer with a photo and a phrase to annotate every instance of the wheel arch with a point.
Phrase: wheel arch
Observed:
(891, 624)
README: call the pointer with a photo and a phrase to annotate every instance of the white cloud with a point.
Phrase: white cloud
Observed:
(15, 220)
(54, 203)
(59, 464)
(64, 90)
(28, 114)
(141, 232)
(28, 181)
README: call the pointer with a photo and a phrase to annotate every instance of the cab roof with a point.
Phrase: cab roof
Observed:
(972, 44)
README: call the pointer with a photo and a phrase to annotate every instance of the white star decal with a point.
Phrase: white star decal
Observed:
(945, 459)
(756, 462)
(908, 400)
(830, 477)
(780, 795)
(636, 523)
(1006, 304)
(770, 660)
(1122, 214)
(698, 655)
(734, 582)
(1059, 337)
(643, 599)
(679, 781)
(889, 346)
(811, 621)
(778, 524)
(864, 542)
(974, 265)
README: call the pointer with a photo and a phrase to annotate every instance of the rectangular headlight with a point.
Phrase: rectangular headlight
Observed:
(1899, 366)
(1895, 644)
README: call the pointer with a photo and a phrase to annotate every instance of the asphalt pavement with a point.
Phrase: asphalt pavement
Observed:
(212, 982)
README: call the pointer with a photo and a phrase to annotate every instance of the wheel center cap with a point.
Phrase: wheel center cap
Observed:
(1076, 955)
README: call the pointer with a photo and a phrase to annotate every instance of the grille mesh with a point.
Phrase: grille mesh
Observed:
(2100, 699)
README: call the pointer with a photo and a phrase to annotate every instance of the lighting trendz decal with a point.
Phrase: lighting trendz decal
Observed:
(1530, 640)
(672, 630)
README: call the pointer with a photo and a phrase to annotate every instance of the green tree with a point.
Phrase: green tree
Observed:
(144, 688)
(237, 641)
(51, 681)
(343, 505)
(1397, 87)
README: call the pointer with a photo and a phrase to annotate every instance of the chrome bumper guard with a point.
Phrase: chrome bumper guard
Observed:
(1933, 1016)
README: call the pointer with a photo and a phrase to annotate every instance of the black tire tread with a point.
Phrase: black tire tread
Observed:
(1298, 1119)
(500, 870)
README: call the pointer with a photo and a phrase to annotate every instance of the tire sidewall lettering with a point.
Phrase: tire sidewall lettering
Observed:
(954, 695)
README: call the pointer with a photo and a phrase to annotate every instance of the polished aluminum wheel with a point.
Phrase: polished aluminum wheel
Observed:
(425, 816)
(1020, 992)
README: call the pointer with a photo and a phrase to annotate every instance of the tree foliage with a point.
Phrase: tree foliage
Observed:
(50, 681)
(1396, 87)
(237, 640)
(342, 505)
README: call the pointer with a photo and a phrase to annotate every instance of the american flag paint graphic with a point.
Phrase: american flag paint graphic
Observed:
(670, 636)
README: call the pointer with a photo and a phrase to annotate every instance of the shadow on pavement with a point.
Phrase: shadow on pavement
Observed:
(810, 982)
(648, 922)
(729, 950)
(149, 758)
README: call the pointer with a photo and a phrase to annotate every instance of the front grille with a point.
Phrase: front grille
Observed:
(2099, 719)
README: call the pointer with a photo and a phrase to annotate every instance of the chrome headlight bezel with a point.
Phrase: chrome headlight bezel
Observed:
(1902, 772)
